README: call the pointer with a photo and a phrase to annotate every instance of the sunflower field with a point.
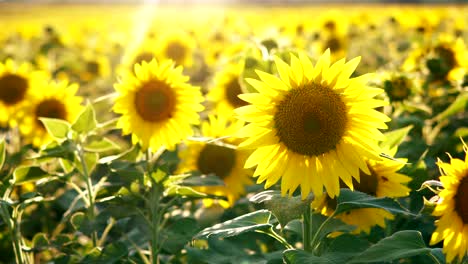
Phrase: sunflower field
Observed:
(196, 133)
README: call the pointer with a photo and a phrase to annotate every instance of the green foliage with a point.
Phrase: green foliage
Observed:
(26, 174)
(99, 144)
(349, 200)
(57, 128)
(255, 221)
(2, 153)
(284, 208)
(86, 120)
(395, 137)
(294, 256)
(402, 244)
(455, 107)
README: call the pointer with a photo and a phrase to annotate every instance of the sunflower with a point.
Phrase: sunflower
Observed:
(332, 22)
(383, 181)
(94, 66)
(157, 104)
(177, 46)
(452, 208)
(136, 54)
(51, 100)
(312, 125)
(337, 43)
(398, 87)
(446, 60)
(227, 86)
(16, 84)
(224, 161)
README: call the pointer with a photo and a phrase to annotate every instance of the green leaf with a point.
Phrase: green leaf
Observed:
(113, 253)
(178, 233)
(91, 160)
(24, 174)
(40, 241)
(62, 240)
(128, 155)
(86, 121)
(159, 175)
(402, 244)
(67, 165)
(457, 106)
(92, 256)
(63, 150)
(284, 208)
(332, 225)
(294, 226)
(344, 247)
(98, 144)
(2, 153)
(182, 191)
(396, 137)
(350, 200)
(296, 256)
(170, 180)
(258, 220)
(222, 251)
(204, 180)
(438, 254)
(57, 128)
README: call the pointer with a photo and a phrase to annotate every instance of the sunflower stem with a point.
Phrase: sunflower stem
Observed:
(155, 212)
(89, 188)
(307, 228)
(14, 233)
(314, 242)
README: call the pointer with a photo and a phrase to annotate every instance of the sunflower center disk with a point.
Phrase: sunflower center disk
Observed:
(233, 89)
(447, 56)
(92, 67)
(12, 88)
(175, 51)
(398, 89)
(50, 108)
(155, 101)
(461, 200)
(334, 44)
(311, 120)
(216, 159)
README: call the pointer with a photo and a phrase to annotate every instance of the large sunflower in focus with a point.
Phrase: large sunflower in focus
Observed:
(227, 86)
(452, 208)
(16, 84)
(177, 46)
(383, 181)
(311, 126)
(51, 100)
(221, 160)
(157, 104)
